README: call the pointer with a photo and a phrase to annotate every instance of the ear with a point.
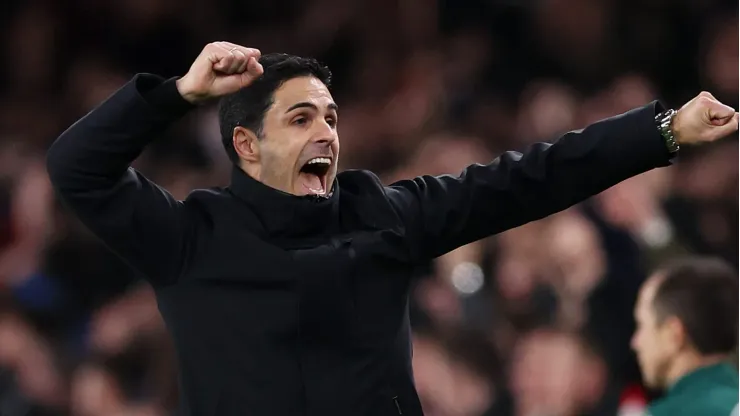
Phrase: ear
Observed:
(246, 144)
(673, 334)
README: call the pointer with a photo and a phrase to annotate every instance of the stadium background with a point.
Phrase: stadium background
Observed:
(535, 321)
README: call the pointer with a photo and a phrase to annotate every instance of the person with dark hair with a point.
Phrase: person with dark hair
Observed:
(286, 292)
(687, 329)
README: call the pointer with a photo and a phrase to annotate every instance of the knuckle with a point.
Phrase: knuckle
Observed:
(707, 95)
(212, 48)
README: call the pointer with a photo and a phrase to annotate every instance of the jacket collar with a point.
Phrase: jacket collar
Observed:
(283, 214)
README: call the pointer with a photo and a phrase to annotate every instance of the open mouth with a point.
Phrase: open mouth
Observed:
(313, 175)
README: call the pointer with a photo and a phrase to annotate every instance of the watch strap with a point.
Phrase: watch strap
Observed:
(664, 122)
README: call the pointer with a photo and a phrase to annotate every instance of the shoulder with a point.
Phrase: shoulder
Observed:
(714, 404)
(359, 182)
(663, 407)
(364, 193)
(363, 187)
(369, 187)
(366, 182)
(206, 199)
(208, 204)
(207, 195)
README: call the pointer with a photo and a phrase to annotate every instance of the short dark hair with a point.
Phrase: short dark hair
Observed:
(247, 107)
(702, 292)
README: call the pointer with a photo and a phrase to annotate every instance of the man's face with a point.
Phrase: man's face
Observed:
(299, 150)
(653, 342)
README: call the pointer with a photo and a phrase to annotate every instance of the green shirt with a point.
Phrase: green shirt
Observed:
(708, 391)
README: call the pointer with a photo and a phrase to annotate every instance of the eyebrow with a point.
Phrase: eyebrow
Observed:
(305, 104)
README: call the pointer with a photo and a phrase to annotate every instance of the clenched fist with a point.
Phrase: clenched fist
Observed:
(221, 69)
(704, 119)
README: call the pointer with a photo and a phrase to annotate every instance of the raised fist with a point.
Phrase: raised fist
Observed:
(221, 69)
(704, 119)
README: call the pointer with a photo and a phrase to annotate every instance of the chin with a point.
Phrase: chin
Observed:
(653, 381)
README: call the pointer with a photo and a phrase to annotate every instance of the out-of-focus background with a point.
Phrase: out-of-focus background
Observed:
(535, 321)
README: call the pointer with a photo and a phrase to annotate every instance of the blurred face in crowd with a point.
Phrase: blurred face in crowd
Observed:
(655, 343)
(299, 147)
(445, 386)
(552, 374)
(94, 392)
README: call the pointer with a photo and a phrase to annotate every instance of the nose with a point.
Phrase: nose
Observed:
(633, 342)
(325, 139)
(324, 134)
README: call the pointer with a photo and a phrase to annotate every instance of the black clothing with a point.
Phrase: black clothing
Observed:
(287, 305)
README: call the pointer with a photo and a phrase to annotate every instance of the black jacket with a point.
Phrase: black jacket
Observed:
(284, 305)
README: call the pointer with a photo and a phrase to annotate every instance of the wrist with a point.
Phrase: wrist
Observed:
(186, 92)
(164, 96)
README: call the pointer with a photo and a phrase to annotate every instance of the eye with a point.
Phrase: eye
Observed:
(300, 121)
(331, 121)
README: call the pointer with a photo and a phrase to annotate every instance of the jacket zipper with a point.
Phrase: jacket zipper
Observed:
(398, 406)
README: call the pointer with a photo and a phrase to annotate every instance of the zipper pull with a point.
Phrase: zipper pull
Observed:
(398, 406)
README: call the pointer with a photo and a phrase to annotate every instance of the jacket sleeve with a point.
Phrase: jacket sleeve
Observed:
(446, 212)
(89, 167)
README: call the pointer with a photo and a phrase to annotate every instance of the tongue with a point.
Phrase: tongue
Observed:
(312, 182)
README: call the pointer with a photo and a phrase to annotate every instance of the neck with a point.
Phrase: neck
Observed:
(251, 169)
(689, 362)
(254, 170)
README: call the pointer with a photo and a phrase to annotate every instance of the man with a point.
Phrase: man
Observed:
(687, 328)
(287, 292)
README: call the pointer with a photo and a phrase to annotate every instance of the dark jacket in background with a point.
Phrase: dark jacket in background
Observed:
(285, 305)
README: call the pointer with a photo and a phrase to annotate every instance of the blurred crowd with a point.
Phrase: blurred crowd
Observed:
(533, 322)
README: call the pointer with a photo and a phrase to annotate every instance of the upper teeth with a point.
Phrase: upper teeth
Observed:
(323, 160)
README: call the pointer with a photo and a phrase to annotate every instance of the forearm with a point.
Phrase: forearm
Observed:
(89, 168)
(96, 151)
(549, 178)
(446, 212)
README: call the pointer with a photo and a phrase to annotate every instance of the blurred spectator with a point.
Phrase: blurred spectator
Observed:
(456, 374)
(30, 379)
(555, 373)
(720, 67)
